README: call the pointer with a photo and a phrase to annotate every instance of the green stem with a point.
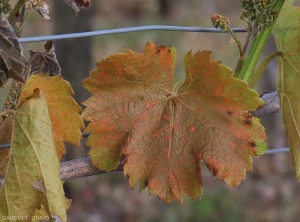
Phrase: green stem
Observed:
(15, 10)
(249, 40)
(237, 41)
(239, 67)
(262, 67)
(22, 20)
(256, 49)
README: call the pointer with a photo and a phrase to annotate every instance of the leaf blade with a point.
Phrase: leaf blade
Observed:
(163, 132)
(63, 109)
(287, 34)
(33, 175)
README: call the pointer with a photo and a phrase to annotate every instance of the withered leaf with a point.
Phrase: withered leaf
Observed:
(12, 61)
(44, 62)
(77, 4)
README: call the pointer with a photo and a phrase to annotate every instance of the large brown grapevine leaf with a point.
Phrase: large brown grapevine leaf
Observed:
(32, 178)
(63, 109)
(287, 35)
(165, 132)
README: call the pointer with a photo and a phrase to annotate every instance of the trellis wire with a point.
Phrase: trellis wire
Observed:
(125, 30)
(132, 29)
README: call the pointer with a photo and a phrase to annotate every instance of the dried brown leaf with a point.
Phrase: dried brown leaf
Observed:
(12, 61)
(44, 62)
(77, 4)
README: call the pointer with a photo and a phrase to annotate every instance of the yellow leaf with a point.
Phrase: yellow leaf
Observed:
(33, 175)
(63, 109)
(41, 214)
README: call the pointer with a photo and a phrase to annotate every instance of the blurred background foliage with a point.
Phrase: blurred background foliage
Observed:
(270, 192)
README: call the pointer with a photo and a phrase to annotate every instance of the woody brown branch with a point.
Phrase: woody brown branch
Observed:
(83, 167)
(272, 104)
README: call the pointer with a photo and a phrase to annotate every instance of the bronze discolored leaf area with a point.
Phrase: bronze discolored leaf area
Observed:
(164, 131)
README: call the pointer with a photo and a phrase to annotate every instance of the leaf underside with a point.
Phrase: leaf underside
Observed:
(166, 132)
(287, 36)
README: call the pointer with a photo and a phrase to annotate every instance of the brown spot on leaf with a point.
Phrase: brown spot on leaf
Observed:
(192, 128)
(247, 115)
(127, 176)
(214, 171)
(229, 113)
(248, 121)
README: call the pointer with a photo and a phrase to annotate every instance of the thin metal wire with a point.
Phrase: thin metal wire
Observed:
(124, 30)
(278, 150)
(4, 145)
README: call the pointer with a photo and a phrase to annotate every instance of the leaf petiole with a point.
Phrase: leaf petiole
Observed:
(262, 67)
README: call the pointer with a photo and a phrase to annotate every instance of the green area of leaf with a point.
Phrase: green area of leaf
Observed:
(32, 178)
(261, 147)
(165, 132)
(287, 37)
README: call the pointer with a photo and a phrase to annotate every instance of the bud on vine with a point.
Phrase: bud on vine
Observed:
(262, 5)
(249, 12)
(33, 4)
(5, 7)
(268, 18)
(220, 21)
(38, 5)
(258, 9)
